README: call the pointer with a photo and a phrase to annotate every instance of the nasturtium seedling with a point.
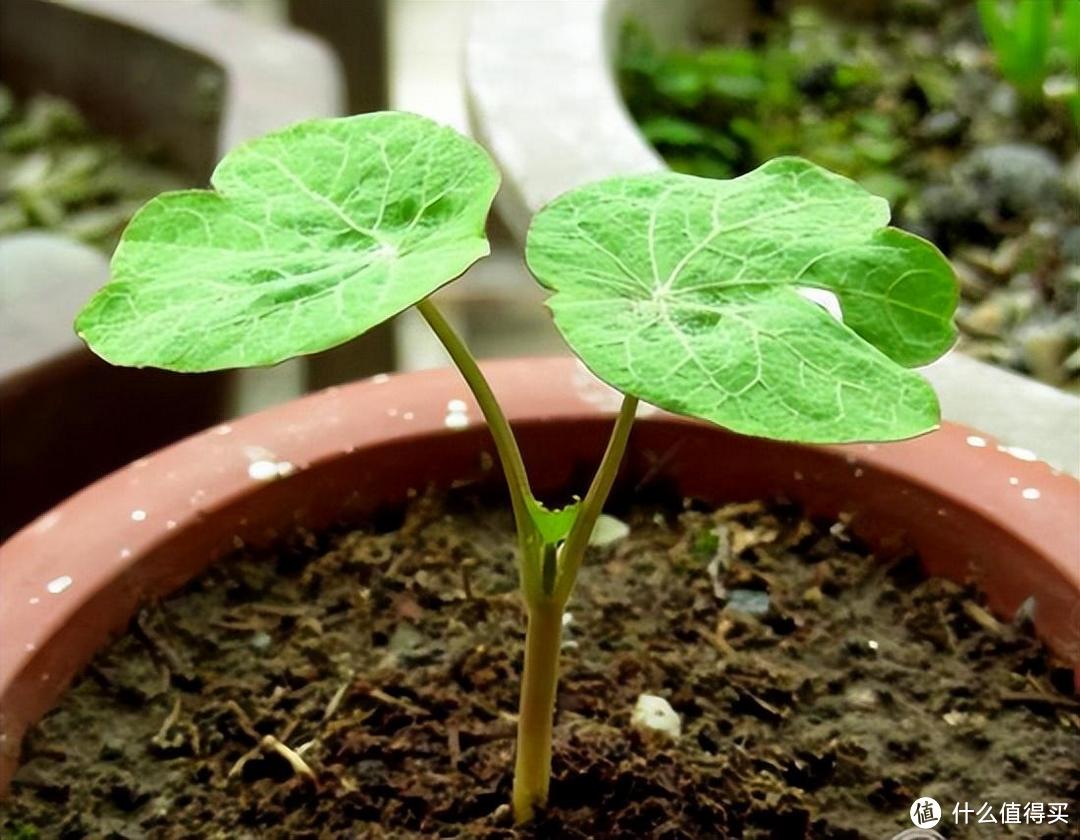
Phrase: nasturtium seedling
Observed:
(682, 291)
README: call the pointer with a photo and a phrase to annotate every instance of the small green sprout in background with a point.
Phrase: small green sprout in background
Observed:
(686, 292)
(1033, 39)
(706, 544)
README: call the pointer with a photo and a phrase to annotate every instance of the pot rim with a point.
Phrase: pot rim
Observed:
(74, 577)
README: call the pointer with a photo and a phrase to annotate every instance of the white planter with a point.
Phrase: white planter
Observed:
(543, 99)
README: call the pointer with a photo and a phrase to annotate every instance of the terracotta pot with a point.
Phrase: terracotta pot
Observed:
(72, 579)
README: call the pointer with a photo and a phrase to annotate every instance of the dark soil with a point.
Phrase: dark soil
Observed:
(820, 689)
(910, 103)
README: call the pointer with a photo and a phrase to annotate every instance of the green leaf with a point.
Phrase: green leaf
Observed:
(311, 236)
(684, 292)
(552, 525)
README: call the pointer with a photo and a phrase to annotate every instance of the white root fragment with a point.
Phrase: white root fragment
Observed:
(299, 766)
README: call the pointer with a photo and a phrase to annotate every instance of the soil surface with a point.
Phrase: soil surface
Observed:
(820, 691)
(912, 104)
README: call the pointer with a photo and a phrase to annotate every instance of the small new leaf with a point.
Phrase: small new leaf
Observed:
(311, 236)
(684, 292)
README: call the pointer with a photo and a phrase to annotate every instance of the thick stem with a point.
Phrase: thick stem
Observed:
(573, 550)
(532, 768)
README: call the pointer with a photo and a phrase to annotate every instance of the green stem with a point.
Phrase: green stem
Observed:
(505, 444)
(532, 770)
(573, 550)
(532, 767)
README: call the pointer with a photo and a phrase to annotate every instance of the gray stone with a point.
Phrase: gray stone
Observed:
(1013, 178)
(943, 126)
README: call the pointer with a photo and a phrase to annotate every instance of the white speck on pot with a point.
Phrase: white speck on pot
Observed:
(455, 420)
(1013, 480)
(139, 464)
(30, 647)
(1019, 453)
(58, 585)
(391, 412)
(223, 429)
(45, 677)
(942, 512)
(408, 415)
(262, 470)
(138, 515)
(798, 475)
(1030, 493)
(170, 524)
(380, 378)
(46, 522)
(35, 600)
(457, 416)
(265, 470)
(859, 472)
(654, 714)
(125, 553)
(976, 440)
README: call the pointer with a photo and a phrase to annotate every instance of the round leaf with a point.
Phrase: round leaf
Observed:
(684, 292)
(311, 236)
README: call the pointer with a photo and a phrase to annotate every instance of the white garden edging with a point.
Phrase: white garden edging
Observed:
(543, 99)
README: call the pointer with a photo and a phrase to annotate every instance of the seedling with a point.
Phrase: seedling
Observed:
(681, 291)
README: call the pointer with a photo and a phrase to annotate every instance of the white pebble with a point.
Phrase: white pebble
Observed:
(654, 714)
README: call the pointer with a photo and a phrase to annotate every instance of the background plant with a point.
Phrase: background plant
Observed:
(1031, 40)
(683, 291)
